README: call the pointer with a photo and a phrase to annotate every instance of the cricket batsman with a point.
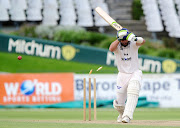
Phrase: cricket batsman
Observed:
(129, 77)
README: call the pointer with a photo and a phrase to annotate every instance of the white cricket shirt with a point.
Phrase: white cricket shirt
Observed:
(127, 57)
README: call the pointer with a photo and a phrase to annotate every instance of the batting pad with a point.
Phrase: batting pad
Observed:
(132, 98)
(119, 108)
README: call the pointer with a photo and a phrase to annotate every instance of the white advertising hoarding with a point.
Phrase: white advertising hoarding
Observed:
(162, 88)
(105, 86)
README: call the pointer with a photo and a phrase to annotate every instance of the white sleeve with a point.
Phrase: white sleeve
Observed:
(133, 43)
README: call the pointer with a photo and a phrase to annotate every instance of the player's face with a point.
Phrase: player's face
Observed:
(124, 42)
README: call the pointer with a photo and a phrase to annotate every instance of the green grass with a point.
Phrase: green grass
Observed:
(76, 114)
(48, 118)
(32, 64)
(157, 114)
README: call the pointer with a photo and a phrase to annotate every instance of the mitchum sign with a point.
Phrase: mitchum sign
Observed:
(72, 52)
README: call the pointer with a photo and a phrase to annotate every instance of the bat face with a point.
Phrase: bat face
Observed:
(108, 19)
(116, 25)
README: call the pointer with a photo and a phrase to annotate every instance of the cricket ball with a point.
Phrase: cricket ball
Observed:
(19, 57)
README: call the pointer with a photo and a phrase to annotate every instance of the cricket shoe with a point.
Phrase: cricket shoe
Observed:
(126, 119)
(119, 119)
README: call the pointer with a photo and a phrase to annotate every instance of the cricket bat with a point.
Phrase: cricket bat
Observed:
(108, 19)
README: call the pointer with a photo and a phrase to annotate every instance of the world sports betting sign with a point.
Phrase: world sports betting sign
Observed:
(33, 89)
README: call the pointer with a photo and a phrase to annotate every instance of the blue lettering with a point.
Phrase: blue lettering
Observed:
(79, 84)
(147, 86)
(178, 83)
(166, 85)
(105, 86)
(156, 86)
(97, 85)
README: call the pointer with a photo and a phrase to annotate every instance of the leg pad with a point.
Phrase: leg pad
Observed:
(132, 98)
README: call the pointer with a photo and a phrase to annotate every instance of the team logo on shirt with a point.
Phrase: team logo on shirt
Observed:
(119, 87)
(126, 59)
(125, 52)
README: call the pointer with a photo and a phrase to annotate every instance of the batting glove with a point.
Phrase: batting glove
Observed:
(131, 37)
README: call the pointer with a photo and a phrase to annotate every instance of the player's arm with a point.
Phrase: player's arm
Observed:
(139, 40)
(113, 45)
